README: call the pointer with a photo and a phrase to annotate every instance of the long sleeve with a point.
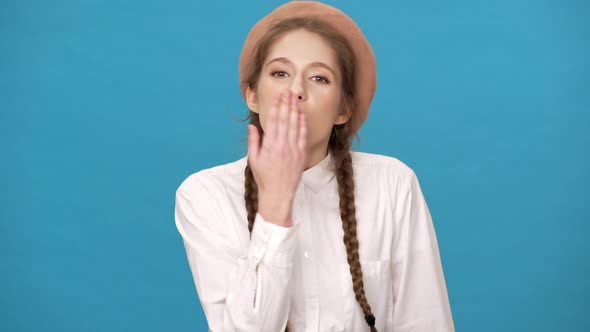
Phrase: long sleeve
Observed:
(420, 293)
(240, 289)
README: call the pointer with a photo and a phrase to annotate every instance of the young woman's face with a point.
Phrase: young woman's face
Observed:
(306, 64)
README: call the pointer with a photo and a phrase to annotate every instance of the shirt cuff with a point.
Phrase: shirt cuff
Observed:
(272, 243)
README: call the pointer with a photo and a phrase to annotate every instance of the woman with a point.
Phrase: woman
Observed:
(303, 233)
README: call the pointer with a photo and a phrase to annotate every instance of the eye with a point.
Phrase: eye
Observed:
(278, 73)
(321, 79)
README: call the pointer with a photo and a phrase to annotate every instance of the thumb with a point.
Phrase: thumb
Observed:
(253, 143)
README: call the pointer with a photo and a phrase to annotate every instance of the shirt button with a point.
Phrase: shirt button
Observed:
(306, 254)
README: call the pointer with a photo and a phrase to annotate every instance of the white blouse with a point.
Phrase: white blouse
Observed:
(299, 275)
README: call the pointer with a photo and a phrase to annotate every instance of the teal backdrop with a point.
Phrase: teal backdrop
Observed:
(106, 106)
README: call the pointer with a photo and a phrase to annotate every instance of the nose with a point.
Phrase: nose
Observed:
(298, 89)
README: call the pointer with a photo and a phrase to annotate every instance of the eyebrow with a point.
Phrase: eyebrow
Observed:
(313, 64)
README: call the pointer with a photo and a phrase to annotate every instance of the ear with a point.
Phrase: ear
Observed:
(345, 116)
(252, 100)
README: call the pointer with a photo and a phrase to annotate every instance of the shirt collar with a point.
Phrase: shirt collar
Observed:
(320, 174)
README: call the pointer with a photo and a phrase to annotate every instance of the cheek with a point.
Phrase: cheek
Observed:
(318, 126)
(264, 107)
(321, 121)
(266, 94)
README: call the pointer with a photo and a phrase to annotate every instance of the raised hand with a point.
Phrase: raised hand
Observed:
(278, 161)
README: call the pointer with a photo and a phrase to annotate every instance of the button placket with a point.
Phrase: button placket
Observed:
(310, 276)
(307, 238)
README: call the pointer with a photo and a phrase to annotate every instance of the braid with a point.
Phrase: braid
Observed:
(250, 196)
(344, 175)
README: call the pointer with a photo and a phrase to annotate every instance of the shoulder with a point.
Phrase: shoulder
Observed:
(381, 168)
(212, 180)
(378, 176)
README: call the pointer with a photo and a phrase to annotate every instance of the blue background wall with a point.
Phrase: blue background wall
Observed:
(106, 106)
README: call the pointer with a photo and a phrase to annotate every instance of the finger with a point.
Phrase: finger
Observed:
(271, 130)
(293, 122)
(283, 117)
(302, 138)
(253, 142)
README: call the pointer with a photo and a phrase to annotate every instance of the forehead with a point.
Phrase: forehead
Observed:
(302, 47)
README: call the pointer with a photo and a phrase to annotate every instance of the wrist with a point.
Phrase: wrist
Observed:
(277, 212)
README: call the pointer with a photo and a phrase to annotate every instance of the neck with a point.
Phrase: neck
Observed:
(315, 155)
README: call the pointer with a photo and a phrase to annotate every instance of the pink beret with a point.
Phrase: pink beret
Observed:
(365, 71)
